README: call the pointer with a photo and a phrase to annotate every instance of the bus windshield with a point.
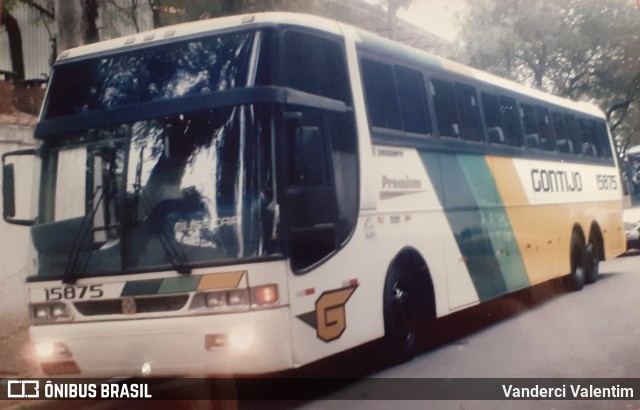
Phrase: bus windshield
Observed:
(201, 66)
(179, 191)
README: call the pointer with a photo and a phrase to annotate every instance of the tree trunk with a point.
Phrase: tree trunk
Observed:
(15, 44)
(392, 9)
(155, 12)
(89, 16)
(68, 24)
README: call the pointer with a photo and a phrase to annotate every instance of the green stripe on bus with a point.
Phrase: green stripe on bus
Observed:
(466, 222)
(495, 220)
(177, 285)
(141, 287)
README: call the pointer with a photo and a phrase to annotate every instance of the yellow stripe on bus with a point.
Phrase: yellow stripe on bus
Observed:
(543, 232)
(225, 280)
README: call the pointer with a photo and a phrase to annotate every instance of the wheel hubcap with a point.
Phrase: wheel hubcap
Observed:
(404, 313)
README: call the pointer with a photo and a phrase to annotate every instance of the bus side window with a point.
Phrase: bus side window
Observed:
(308, 59)
(547, 140)
(587, 148)
(444, 102)
(467, 102)
(493, 118)
(602, 138)
(563, 143)
(413, 101)
(380, 95)
(511, 121)
(531, 132)
(572, 132)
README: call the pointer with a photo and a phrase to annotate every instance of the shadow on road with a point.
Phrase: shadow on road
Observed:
(630, 252)
(369, 359)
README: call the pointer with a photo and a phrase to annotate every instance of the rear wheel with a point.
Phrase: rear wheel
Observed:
(576, 279)
(592, 267)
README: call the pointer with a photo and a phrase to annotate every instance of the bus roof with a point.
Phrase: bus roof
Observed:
(175, 32)
(322, 24)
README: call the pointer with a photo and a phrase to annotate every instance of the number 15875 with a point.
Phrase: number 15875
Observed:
(74, 292)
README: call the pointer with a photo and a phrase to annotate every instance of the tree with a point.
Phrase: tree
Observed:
(68, 15)
(15, 42)
(76, 23)
(392, 7)
(580, 49)
(167, 12)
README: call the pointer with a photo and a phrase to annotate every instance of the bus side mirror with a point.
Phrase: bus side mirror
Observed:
(24, 167)
(8, 192)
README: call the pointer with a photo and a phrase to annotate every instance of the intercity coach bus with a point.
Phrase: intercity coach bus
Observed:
(254, 193)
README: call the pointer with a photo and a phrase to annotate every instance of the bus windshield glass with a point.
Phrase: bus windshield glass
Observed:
(201, 66)
(189, 189)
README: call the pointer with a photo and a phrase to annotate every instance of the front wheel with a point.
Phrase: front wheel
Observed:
(578, 254)
(404, 315)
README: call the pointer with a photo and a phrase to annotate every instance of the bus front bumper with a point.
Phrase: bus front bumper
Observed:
(252, 342)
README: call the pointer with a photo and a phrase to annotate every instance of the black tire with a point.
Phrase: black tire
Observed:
(578, 254)
(592, 267)
(405, 314)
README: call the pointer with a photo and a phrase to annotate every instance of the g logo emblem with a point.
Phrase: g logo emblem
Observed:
(329, 319)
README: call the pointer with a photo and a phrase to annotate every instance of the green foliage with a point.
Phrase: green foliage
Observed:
(580, 49)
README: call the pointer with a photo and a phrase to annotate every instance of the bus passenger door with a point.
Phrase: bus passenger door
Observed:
(310, 209)
(319, 214)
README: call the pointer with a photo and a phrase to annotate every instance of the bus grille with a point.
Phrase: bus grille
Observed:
(132, 305)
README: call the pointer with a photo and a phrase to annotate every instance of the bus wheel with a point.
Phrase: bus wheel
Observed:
(403, 316)
(592, 267)
(576, 279)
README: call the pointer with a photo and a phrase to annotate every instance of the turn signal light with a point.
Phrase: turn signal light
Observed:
(265, 295)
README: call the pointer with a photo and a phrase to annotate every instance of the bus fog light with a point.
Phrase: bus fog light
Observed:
(214, 299)
(265, 295)
(237, 297)
(44, 350)
(241, 338)
(48, 350)
(146, 368)
(216, 340)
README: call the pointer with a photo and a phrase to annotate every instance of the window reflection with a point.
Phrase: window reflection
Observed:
(198, 189)
(202, 66)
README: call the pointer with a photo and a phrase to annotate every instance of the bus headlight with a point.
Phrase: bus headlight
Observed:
(238, 297)
(245, 298)
(215, 299)
(50, 312)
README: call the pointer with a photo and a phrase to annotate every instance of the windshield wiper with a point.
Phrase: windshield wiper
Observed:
(177, 258)
(80, 239)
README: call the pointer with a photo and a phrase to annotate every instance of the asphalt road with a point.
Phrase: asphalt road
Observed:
(543, 332)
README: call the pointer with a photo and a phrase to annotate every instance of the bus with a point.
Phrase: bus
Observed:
(254, 193)
(631, 174)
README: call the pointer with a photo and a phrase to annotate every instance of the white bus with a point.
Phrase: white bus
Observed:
(254, 193)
